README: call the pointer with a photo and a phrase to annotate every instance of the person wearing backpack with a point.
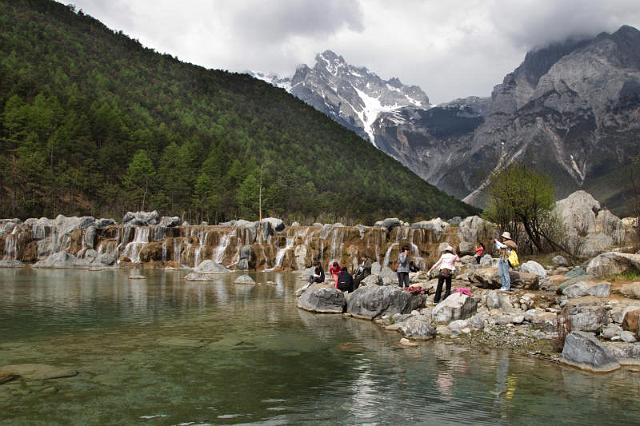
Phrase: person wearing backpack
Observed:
(403, 268)
(345, 281)
(507, 249)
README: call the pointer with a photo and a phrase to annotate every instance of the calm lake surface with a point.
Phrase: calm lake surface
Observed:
(164, 351)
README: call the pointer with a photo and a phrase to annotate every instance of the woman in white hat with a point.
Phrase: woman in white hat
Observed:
(446, 266)
(504, 247)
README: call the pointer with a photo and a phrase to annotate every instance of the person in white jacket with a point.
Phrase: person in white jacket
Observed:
(446, 266)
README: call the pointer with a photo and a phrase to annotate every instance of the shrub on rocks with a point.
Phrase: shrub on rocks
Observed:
(322, 299)
(583, 350)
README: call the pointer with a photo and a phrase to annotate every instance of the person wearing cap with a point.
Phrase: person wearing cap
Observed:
(446, 266)
(504, 247)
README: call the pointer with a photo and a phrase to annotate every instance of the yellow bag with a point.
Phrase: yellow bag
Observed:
(513, 259)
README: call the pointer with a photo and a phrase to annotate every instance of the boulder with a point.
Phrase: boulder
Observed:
(106, 259)
(455, 307)
(559, 261)
(583, 350)
(611, 331)
(371, 280)
(322, 299)
(437, 226)
(418, 327)
(498, 300)
(486, 261)
(627, 336)
(474, 229)
(587, 317)
(630, 321)
(541, 319)
(576, 272)
(370, 302)
(489, 278)
(631, 290)
(103, 223)
(613, 263)
(244, 279)
(459, 326)
(210, 267)
(586, 288)
(141, 218)
(276, 224)
(389, 223)
(624, 353)
(533, 267)
(388, 277)
(169, 221)
(466, 248)
(455, 221)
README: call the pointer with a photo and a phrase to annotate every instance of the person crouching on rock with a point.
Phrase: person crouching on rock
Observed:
(403, 268)
(345, 281)
(318, 274)
(446, 266)
(334, 270)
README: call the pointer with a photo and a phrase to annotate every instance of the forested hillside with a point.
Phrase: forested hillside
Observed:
(94, 123)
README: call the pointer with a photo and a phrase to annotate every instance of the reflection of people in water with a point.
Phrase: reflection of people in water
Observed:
(445, 384)
(505, 384)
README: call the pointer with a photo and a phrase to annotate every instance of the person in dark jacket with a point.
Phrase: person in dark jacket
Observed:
(403, 268)
(345, 280)
(318, 274)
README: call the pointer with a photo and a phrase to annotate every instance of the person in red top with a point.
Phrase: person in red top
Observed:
(334, 270)
(480, 250)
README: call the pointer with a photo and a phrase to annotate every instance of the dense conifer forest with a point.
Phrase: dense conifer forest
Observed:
(92, 122)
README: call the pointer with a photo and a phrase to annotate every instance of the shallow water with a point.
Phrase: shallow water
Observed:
(163, 351)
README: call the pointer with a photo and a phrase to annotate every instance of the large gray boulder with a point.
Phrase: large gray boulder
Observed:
(370, 302)
(631, 290)
(372, 279)
(322, 299)
(584, 351)
(418, 327)
(533, 267)
(141, 218)
(103, 223)
(587, 317)
(244, 280)
(489, 278)
(276, 224)
(389, 223)
(583, 288)
(388, 277)
(210, 267)
(437, 226)
(474, 229)
(613, 263)
(169, 221)
(455, 307)
(590, 230)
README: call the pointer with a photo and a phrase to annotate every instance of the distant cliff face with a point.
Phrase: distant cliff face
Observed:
(571, 110)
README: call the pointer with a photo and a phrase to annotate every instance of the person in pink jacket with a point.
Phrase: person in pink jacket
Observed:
(334, 270)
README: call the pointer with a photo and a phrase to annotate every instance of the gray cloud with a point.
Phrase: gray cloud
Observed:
(450, 49)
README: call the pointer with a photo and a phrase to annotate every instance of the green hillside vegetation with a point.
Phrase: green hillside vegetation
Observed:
(94, 123)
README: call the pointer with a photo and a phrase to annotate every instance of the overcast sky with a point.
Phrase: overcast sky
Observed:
(451, 48)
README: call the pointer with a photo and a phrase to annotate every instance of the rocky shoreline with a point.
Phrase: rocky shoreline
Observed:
(568, 315)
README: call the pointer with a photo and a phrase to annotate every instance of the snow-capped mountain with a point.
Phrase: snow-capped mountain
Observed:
(354, 96)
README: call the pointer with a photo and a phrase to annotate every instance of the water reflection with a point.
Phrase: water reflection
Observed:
(223, 353)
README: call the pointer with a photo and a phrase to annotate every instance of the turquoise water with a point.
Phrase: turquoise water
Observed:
(163, 351)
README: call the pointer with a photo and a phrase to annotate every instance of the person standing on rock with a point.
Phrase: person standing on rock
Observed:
(446, 266)
(334, 270)
(403, 268)
(504, 248)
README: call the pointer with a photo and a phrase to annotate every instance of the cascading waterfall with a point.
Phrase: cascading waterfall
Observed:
(177, 250)
(283, 251)
(202, 238)
(141, 237)
(222, 247)
(164, 250)
(10, 246)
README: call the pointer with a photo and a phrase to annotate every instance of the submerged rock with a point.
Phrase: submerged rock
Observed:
(210, 267)
(370, 302)
(244, 279)
(322, 299)
(37, 371)
(583, 350)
